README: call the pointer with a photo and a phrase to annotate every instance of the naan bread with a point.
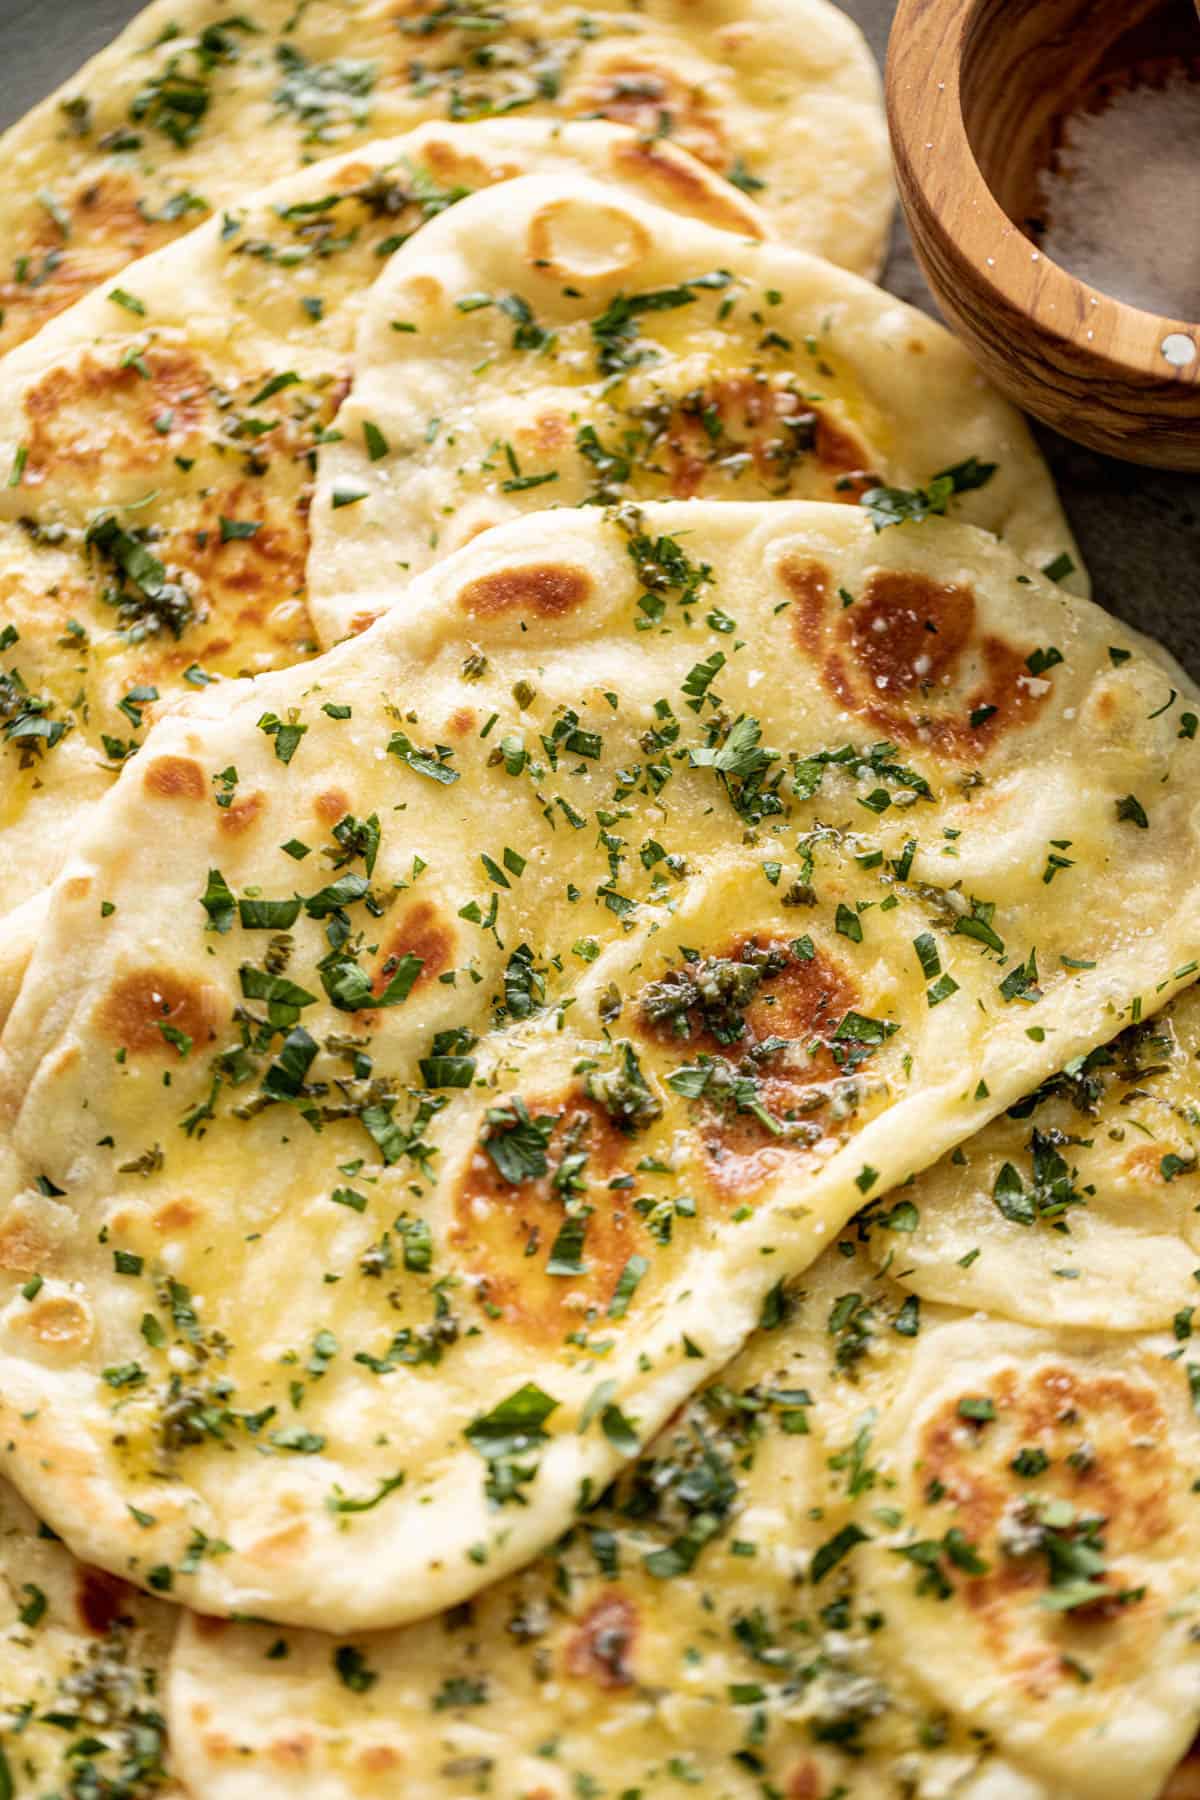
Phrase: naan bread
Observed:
(891, 1553)
(1078, 1209)
(707, 844)
(82, 1659)
(196, 104)
(158, 442)
(576, 347)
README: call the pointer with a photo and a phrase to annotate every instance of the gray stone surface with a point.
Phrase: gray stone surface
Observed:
(1140, 530)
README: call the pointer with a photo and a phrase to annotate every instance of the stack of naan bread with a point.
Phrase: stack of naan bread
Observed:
(600, 1181)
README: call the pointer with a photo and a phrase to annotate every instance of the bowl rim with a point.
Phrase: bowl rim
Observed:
(1128, 339)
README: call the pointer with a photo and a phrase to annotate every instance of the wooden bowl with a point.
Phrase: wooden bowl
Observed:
(976, 90)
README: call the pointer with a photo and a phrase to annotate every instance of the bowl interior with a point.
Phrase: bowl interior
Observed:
(1027, 64)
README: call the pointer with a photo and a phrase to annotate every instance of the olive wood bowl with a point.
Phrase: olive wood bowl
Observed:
(976, 90)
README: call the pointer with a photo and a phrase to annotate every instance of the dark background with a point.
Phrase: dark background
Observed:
(1139, 529)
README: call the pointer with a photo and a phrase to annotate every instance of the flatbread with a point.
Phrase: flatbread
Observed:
(82, 1659)
(1079, 1209)
(168, 424)
(577, 348)
(622, 1670)
(251, 1327)
(196, 104)
(826, 1576)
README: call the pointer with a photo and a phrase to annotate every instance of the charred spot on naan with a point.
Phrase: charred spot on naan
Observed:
(242, 813)
(380, 1759)
(174, 778)
(108, 214)
(267, 560)
(752, 989)
(420, 293)
(599, 1647)
(1043, 1458)
(462, 722)
(743, 422)
(423, 932)
(252, 578)
(296, 1751)
(218, 1746)
(843, 455)
(139, 1005)
(248, 607)
(331, 805)
(763, 1012)
(806, 1782)
(102, 1600)
(543, 590)
(55, 280)
(176, 1215)
(505, 1231)
(25, 1245)
(474, 528)
(551, 431)
(673, 181)
(61, 1325)
(906, 655)
(654, 102)
(107, 229)
(584, 240)
(451, 168)
(124, 416)
(281, 1546)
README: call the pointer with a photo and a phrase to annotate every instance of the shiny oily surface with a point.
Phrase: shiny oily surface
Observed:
(1139, 529)
(194, 104)
(584, 348)
(1076, 1210)
(82, 1672)
(717, 1617)
(897, 1550)
(160, 441)
(717, 961)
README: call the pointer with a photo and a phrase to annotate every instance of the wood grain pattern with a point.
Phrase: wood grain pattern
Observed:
(975, 91)
(1185, 1782)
